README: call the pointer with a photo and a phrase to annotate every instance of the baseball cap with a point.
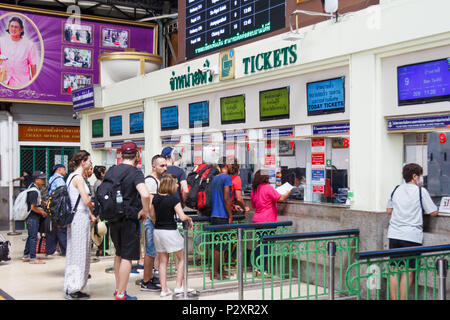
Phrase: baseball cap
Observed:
(129, 147)
(56, 166)
(167, 152)
(39, 175)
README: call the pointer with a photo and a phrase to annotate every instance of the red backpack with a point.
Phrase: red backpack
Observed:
(199, 186)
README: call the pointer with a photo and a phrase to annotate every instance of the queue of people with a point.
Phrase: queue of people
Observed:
(155, 201)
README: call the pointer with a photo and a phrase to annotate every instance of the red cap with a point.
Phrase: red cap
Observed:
(129, 147)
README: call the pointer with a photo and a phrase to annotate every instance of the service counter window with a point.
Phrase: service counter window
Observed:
(316, 167)
(432, 152)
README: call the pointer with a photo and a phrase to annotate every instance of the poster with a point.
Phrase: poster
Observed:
(45, 55)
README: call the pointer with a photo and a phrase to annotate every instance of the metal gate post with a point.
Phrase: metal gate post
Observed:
(240, 265)
(442, 266)
(332, 255)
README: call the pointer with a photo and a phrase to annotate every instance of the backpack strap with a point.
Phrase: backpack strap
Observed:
(50, 185)
(420, 198)
(157, 183)
(79, 195)
(392, 194)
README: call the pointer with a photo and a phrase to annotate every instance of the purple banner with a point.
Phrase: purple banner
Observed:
(430, 122)
(45, 57)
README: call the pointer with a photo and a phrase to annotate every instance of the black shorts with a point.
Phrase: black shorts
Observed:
(397, 244)
(125, 237)
(221, 246)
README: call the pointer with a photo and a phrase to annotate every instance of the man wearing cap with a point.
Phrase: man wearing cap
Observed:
(60, 234)
(125, 232)
(35, 208)
(173, 158)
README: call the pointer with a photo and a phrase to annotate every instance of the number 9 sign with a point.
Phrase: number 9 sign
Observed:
(442, 137)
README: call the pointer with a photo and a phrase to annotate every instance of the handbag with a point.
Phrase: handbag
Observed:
(4, 249)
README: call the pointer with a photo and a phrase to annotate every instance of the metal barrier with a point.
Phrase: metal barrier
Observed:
(294, 266)
(387, 272)
(231, 241)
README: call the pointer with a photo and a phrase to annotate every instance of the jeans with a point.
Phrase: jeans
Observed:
(33, 227)
(150, 249)
(58, 236)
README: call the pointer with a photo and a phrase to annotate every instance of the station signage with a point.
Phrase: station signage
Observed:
(270, 59)
(414, 123)
(333, 128)
(192, 78)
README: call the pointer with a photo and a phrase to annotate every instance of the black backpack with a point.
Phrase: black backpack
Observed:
(105, 197)
(59, 206)
(200, 188)
(4, 249)
(425, 217)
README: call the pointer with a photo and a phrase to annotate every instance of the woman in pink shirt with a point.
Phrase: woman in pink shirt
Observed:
(264, 199)
(21, 54)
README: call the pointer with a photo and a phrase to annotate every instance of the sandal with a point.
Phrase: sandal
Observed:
(257, 273)
(27, 259)
(37, 262)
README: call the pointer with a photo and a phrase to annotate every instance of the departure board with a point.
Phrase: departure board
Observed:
(215, 24)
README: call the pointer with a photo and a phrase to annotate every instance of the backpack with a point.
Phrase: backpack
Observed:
(157, 183)
(59, 205)
(20, 208)
(4, 249)
(105, 197)
(200, 188)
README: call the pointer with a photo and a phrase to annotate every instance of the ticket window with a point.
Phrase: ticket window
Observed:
(432, 152)
(319, 173)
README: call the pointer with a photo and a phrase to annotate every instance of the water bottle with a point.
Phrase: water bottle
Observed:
(119, 202)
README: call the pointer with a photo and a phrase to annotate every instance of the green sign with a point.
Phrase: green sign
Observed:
(270, 59)
(232, 109)
(274, 104)
(191, 79)
(328, 162)
(97, 128)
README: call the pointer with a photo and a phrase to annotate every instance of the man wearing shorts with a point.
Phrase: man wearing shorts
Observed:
(125, 232)
(221, 208)
(405, 226)
(150, 282)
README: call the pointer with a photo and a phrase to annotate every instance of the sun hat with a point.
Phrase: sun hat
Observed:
(98, 231)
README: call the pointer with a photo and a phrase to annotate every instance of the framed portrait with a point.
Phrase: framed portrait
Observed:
(78, 33)
(115, 38)
(286, 148)
(22, 50)
(75, 81)
(77, 58)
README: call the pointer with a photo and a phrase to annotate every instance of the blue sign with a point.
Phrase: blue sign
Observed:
(333, 128)
(279, 132)
(318, 176)
(199, 114)
(327, 96)
(169, 118)
(115, 126)
(424, 82)
(83, 99)
(413, 123)
(137, 122)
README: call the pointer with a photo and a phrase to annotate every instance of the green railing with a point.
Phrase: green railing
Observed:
(224, 239)
(194, 258)
(383, 275)
(296, 264)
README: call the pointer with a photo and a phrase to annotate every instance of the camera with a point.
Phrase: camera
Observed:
(203, 70)
(76, 116)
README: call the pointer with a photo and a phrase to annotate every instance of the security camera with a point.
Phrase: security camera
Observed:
(76, 116)
(203, 70)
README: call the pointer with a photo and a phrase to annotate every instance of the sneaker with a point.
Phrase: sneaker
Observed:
(150, 286)
(77, 296)
(140, 266)
(181, 290)
(165, 294)
(125, 297)
(155, 281)
(134, 271)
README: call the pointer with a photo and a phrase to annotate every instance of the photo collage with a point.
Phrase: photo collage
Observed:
(78, 52)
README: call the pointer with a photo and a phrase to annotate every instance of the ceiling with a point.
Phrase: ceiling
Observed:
(123, 9)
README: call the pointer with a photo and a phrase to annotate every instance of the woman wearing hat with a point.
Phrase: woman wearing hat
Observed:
(78, 232)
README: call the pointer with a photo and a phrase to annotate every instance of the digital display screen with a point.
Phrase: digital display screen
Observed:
(169, 118)
(424, 82)
(115, 126)
(326, 96)
(199, 114)
(216, 24)
(232, 109)
(274, 104)
(137, 122)
(97, 128)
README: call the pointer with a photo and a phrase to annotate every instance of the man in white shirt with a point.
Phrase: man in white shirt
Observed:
(406, 224)
(150, 282)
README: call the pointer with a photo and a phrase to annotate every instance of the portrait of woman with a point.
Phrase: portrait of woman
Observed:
(20, 59)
